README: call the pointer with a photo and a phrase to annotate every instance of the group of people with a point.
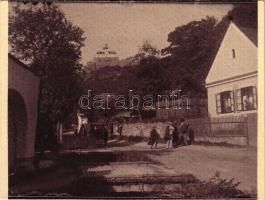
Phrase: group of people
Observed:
(175, 135)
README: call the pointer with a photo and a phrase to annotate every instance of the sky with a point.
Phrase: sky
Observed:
(124, 27)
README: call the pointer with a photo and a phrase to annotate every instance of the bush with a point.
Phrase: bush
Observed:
(213, 188)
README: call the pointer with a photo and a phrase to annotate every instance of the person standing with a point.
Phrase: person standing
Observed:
(154, 137)
(175, 136)
(167, 136)
(120, 127)
(184, 129)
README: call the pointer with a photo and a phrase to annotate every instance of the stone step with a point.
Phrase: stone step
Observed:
(119, 186)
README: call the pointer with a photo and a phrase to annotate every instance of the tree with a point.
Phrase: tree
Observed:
(43, 38)
(189, 53)
(51, 45)
(194, 46)
(145, 51)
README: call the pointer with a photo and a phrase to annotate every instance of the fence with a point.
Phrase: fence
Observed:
(240, 130)
(235, 129)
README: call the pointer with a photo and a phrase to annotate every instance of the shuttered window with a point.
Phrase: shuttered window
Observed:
(225, 102)
(238, 100)
(255, 97)
(249, 98)
(232, 101)
(218, 103)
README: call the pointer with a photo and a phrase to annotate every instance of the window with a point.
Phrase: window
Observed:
(246, 98)
(233, 53)
(225, 102)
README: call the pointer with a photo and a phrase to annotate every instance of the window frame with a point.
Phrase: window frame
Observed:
(255, 103)
(219, 102)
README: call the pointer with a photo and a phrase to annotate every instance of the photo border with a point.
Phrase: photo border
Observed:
(4, 94)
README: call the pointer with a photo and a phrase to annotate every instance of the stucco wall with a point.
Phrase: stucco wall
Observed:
(27, 85)
(245, 60)
(232, 85)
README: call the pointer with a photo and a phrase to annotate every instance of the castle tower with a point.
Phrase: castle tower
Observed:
(105, 57)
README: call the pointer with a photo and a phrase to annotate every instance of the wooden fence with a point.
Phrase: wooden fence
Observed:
(222, 127)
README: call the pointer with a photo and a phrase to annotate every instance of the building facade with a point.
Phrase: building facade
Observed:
(103, 58)
(23, 87)
(233, 78)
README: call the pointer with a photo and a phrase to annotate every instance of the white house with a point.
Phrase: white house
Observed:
(233, 79)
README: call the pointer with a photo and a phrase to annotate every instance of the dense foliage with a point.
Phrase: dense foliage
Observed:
(44, 39)
(50, 44)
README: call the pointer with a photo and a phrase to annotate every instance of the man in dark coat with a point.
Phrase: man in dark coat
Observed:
(184, 129)
(175, 136)
(154, 137)
(168, 136)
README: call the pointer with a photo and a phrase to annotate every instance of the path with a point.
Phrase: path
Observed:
(201, 161)
(123, 159)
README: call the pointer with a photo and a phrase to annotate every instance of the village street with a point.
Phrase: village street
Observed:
(123, 159)
(92, 88)
(201, 161)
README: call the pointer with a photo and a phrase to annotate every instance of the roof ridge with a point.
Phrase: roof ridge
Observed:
(250, 33)
(23, 65)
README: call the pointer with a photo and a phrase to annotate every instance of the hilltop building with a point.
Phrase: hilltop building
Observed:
(103, 58)
(107, 57)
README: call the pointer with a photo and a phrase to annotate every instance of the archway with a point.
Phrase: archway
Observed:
(17, 128)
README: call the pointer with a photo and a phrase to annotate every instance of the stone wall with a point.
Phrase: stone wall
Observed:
(142, 129)
(230, 134)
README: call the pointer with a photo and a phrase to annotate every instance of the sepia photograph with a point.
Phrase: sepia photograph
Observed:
(132, 99)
